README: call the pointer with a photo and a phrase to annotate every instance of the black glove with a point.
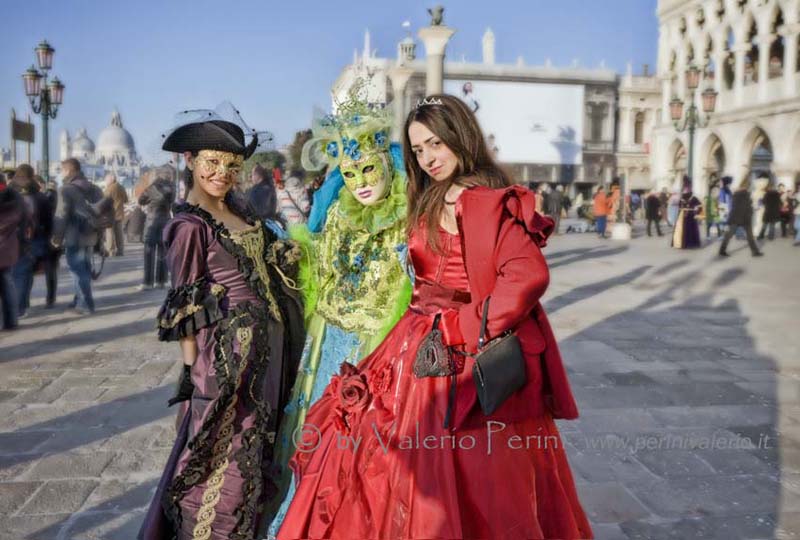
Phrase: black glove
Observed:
(185, 387)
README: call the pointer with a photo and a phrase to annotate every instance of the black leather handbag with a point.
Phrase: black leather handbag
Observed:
(499, 368)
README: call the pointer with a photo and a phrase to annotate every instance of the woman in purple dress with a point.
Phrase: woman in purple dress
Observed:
(686, 234)
(239, 325)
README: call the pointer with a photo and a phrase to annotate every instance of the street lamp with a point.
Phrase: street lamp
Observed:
(692, 120)
(43, 97)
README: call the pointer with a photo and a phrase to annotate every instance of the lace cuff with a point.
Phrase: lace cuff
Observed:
(190, 308)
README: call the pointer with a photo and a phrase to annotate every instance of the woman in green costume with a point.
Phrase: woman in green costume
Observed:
(353, 273)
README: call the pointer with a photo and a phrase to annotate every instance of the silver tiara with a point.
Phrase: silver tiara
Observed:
(428, 101)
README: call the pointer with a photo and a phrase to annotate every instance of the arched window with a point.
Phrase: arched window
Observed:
(776, 48)
(597, 113)
(708, 60)
(720, 9)
(729, 62)
(638, 128)
(751, 56)
(741, 4)
(700, 18)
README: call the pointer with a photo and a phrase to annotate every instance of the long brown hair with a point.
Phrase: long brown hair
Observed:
(454, 123)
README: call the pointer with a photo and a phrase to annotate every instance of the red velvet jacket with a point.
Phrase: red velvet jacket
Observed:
(502, 235)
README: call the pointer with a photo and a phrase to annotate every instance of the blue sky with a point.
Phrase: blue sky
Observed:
(274, 60)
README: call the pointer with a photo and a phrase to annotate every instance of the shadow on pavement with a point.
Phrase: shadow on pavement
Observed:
(675, 430)
(76, 339)
(586, 291)
(86, 426)
(593, 254)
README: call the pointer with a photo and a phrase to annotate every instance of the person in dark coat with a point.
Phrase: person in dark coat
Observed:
(772, 212)
(75, 229)
(652, 212)
(262, 197)
(555, 206)
(11, 218)
(741, 215)
(35, 249)
(157, 200)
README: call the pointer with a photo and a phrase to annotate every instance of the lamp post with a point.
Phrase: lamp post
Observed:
(692, 119)
(44, 98)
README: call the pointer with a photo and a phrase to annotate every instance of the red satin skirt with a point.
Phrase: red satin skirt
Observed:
(374, 460)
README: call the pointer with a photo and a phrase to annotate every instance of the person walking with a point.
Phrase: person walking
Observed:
(555, 204)
(12, 214)
(741, 215)
(653, 212)
(75, 228)
(772, 212)
(157, 200)
(35, 241)
(787, 197)
(600, 207)
(712, 212)
(673, 207)
(115, 240)
(724, 202)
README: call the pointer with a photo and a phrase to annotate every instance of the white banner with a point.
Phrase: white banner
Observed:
(538, 123)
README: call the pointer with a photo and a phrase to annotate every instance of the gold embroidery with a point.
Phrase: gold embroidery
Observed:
(186, 311)
(219, 460)
(252, 242)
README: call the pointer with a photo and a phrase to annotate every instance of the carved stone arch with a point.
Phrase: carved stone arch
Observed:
(749, 38)
(713, 158)
(678, 161)
(758, 151)
(777, 46)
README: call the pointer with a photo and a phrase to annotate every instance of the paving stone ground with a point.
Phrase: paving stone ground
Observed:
(686, 368)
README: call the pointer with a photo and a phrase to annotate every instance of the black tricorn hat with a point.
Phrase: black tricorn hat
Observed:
(211, 135)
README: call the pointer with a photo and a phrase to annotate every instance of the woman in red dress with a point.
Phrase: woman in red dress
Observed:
(374, 458)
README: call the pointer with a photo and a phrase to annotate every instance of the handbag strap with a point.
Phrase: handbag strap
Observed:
(436, 321)
(482, 338)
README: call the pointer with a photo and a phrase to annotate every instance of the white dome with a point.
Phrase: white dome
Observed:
(82, 144)
(115, 139)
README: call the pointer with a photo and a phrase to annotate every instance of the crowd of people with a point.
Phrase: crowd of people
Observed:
(27, 219)
(751, 211)
(85, 224)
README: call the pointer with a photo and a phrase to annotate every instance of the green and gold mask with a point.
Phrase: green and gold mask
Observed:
(367, 178)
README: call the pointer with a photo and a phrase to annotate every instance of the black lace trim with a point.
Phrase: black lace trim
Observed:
(250, 459)
(189, 308)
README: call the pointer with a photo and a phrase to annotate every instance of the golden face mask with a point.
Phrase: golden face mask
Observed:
(370, 173)
(217, 162)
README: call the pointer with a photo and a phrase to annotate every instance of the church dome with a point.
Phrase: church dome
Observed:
(82, 144)
(115, 139)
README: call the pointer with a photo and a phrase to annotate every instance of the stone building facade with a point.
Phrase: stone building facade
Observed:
(748, 52)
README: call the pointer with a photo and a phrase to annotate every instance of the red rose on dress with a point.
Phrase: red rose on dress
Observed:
(354, 395)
